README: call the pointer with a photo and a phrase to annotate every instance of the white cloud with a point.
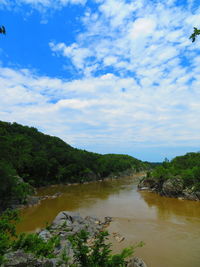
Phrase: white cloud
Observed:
(140, 80)
(106, 109)
(150, 93)
(142, 27)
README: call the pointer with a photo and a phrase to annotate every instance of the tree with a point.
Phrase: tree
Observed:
(2, 29)
(194, 34)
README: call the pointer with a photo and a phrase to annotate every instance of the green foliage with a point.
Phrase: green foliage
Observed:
(12, 188)
(186, 167)
(33, 243)
(161, 173)
(8, 222)
(194, 34)
(64, 257)
(99, 253)
(2, 30)
(42, 159)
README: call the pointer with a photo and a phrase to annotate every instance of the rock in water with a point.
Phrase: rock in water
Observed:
(136, 262)
(172, 187)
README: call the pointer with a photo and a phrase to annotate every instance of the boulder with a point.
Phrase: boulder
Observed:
(64, 217)
(22, 259)
(136, 262)
(118, 237)
(172, 187)
(197, 193)
(146, 184)
(45, 234)
(33, 200)
(190, 195)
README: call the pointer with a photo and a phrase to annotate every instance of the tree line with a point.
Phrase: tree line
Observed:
(186, 168)
(40, 159)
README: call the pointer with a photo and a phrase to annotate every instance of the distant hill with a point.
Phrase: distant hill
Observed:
(42, 159)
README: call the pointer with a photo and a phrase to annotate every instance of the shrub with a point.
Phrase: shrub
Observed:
(8, 222)
(33, 243)
(99, 253)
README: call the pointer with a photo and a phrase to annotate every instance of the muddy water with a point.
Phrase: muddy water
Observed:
(169, 227)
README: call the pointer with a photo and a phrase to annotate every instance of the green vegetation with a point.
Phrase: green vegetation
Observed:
(8, 221)
(12, 189)
(2, 30)
(97, 254)
(194, 35)
(32, 243)
(186, 168)
(41, 159)
(29, 243)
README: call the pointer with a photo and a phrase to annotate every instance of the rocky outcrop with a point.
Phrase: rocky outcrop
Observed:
(65, 224)
(21, 259)
(172, 187)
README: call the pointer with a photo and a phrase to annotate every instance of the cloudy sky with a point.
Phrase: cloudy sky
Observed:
(109, 76)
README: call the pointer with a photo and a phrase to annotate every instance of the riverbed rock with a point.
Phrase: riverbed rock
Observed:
(146, 184)
(21, 259)
(190, 195)
(65, 224)
(63, 219)
(118, 237)
(45, 234)
(33, 200)
(172, 187)
(136, 262)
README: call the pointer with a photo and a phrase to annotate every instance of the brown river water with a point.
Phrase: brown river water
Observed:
(169, 227)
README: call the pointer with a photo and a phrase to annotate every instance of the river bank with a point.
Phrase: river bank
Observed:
(169, 227)
(169, 188)
(36, 199)
(65, 225)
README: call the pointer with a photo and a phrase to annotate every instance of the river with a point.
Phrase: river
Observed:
(169, 227)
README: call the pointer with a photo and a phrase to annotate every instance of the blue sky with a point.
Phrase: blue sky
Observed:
(109, 76)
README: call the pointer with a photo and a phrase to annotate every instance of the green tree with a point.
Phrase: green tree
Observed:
(8, 222)
(12, 188)
(195, 33)
(2, 29)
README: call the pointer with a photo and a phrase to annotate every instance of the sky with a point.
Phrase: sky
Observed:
(108, 76)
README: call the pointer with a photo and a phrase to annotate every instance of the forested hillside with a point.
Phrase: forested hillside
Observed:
(179, 177)
(42, 159)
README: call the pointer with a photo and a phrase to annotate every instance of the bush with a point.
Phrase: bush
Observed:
(33, 243)
(8, 222)
(99, 253)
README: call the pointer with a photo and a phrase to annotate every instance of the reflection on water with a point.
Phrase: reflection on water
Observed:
(167, 208)
(169, 227)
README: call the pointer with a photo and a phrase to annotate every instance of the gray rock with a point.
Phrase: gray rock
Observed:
(22, 259)
(189, 194)
(172, 187)
(108, 219)
(62, 218)
(136, 262)
(64, 225)
(45, 234)
(197, 195)
(147, 184)
(33, 200)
